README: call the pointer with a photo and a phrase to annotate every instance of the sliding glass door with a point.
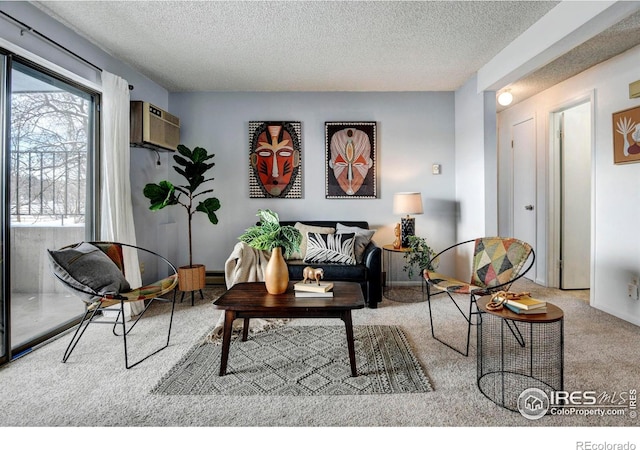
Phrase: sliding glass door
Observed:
(49, 157)
(4, 310)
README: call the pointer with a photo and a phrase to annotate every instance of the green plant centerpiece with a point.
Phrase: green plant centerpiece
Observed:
(419, 255)
(192, 165)
(269, 235)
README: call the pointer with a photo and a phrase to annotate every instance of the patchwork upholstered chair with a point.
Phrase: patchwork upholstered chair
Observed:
(95, 272)
(497, 263)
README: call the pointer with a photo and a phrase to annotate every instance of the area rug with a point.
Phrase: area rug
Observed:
(306, 360)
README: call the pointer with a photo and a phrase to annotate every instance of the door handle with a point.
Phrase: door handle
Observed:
(529, 207)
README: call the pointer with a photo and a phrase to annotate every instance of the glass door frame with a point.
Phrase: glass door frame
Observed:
(5, 292)
(93, 198)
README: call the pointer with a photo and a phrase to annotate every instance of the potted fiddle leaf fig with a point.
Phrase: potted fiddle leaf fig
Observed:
(192, 165)
(270, 236)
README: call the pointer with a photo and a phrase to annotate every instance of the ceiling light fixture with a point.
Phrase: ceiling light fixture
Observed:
(505, 98)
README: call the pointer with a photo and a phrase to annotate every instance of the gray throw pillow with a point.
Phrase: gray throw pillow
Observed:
(330, 248)
(88, 268)
(363, 237)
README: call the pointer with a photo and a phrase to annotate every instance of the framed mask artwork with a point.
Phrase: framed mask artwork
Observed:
(351, 154)
(626, 136)
(275, 160)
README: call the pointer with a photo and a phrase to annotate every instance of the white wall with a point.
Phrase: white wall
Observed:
(476, 183)
(415, 130)
(490, 163)
(616, 210)
(476, 174)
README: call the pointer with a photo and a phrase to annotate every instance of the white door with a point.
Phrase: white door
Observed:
(524, 185)
(575, 200)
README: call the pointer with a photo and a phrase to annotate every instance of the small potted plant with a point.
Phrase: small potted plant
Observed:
(192, 165)
(419, 255)
(270, 236)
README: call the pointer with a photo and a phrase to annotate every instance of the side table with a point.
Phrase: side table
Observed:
(519, 351)
(399, 295)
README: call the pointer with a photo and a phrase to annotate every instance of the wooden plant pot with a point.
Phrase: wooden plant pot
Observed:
(191, 278)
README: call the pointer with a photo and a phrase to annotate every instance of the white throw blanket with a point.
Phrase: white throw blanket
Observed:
(245, 264)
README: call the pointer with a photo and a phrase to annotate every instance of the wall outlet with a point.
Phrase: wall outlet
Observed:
(632, 291)
(435, 169)
(141, 267)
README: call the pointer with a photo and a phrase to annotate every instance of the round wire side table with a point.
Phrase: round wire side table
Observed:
(517, 352)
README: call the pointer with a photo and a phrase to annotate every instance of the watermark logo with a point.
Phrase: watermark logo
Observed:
(589, 445)
(533, 403)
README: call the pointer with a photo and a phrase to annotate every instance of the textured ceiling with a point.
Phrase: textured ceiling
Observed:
(301, 45)
(324, 45)
(611, 42)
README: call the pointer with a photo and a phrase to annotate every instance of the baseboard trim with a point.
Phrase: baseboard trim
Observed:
(215, 277)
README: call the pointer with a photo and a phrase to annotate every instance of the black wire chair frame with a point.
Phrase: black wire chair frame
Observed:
(106, 302)
(473, 295)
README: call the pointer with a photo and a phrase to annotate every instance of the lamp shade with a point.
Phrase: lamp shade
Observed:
(407, 203)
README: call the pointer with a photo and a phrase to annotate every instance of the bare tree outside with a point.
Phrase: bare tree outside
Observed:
(49, 142)
(50, 146)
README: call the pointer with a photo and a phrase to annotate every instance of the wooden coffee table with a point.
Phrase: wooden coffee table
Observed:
(252, 301)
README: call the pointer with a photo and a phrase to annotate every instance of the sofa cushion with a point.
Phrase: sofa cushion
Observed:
(328, 223)
(304, 229)
(368, 274)
(86, 266)
(363, 237)
(330, 248)
(332, 272)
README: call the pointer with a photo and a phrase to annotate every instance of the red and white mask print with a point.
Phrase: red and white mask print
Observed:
(275, 159)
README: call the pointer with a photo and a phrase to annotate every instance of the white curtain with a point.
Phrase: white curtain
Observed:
(116, 207)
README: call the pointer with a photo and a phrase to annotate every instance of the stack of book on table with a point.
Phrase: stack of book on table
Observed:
(324, 289)
(526, 305)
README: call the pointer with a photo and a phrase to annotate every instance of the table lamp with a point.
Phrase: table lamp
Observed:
(407, 203)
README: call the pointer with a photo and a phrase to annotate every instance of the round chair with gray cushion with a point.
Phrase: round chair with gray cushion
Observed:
(95, 272)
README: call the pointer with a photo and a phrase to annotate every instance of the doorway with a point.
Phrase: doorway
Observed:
(573, 149)
(524, 208)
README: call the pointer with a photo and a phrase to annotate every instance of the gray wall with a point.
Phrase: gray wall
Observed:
(415, 130)
(149, 234)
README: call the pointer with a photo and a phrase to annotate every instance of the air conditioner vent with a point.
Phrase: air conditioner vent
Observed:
(151, 127)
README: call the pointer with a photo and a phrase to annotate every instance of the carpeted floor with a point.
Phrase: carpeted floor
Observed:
(94, 389)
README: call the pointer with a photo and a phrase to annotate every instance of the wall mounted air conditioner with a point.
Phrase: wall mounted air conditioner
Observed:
(153, 128)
